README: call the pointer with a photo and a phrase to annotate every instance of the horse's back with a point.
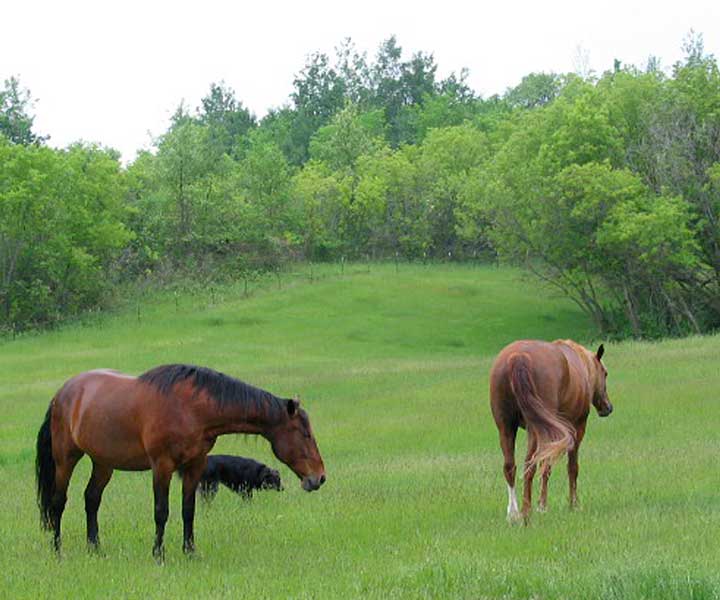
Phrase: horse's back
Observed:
(545, 359)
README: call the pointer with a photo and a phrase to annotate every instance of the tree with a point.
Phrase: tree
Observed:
(322, 197)
(349, 135)
(447, 157)
(61, 230)
(187, 167)
(535, 89)
(354, 71)
(399, 85)
(319, 93)
(16, 120)
(227, 120)
(390, 213)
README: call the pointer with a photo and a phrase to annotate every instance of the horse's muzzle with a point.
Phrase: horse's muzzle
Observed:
(606, 411)
(313, 482)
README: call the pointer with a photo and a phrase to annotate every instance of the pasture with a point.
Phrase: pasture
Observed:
(392, 368)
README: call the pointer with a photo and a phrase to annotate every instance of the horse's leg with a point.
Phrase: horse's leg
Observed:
(63, 471)
(573, 466)
(191, 476)
(507, 443)
(529, 473)
(93, 495)
(542, 505)
(162, 474)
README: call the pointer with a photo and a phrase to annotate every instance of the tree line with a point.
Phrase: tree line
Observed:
(606, 187)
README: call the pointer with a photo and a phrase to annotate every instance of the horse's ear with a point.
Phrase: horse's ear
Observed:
(292, 406)
(600, 352)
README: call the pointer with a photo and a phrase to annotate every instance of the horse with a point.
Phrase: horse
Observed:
(239, 474)
(165, 419)
(546, 388)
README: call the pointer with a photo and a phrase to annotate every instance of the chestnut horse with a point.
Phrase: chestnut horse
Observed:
(168, 418)
(546, 388)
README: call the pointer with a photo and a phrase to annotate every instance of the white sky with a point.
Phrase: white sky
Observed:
(113, 72)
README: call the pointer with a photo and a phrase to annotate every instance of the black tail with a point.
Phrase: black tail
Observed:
(45, 471)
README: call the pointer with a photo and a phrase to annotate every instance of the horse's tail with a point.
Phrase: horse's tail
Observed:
(555, 436)
(45, 471)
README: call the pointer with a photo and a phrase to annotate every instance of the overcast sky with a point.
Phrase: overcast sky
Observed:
(113, 72)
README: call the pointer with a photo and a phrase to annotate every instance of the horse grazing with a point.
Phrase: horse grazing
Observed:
(165, 419)
(546, 388)
(239, 474)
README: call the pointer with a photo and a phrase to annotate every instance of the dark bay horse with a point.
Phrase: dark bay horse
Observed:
(168, 418)
(546, 388)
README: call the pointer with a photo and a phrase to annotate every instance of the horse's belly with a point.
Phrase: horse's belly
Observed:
(115, 451)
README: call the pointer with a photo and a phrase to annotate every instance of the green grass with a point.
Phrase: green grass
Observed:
(392, 368)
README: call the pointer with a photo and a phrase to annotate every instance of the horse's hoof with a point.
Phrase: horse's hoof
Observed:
(542, 508)
(514, 518)
(159, 555)
(95, 549)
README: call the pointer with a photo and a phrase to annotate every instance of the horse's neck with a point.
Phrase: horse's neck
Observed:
(240, 418)
(585, 360)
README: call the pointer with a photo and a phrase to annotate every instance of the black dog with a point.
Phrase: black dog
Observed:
(241, 475)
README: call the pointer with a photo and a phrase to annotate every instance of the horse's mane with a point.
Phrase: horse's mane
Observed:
(583, 353)
(226, 391)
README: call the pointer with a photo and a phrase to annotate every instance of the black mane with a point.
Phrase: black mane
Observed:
(225, 390)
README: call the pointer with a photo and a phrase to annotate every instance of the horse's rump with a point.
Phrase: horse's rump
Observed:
(555, 435)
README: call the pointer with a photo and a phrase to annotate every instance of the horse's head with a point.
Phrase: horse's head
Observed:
(270, 479)
(600, 400)
(294, 444)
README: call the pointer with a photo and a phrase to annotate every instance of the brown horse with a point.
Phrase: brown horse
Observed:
(546, 388)
(168, 418)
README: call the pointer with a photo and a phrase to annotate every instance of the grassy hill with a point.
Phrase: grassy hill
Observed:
(392, 368)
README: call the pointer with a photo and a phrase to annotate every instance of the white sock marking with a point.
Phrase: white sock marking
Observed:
(512, 509)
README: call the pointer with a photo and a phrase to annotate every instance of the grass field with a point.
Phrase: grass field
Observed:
(392, 368)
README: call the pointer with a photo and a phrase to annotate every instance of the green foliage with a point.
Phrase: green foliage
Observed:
(349, 135)
(16, 122)
(390, 214)
(323, 199)
(61, 229)
(535, 89)
(227, 120)
(607, 187)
